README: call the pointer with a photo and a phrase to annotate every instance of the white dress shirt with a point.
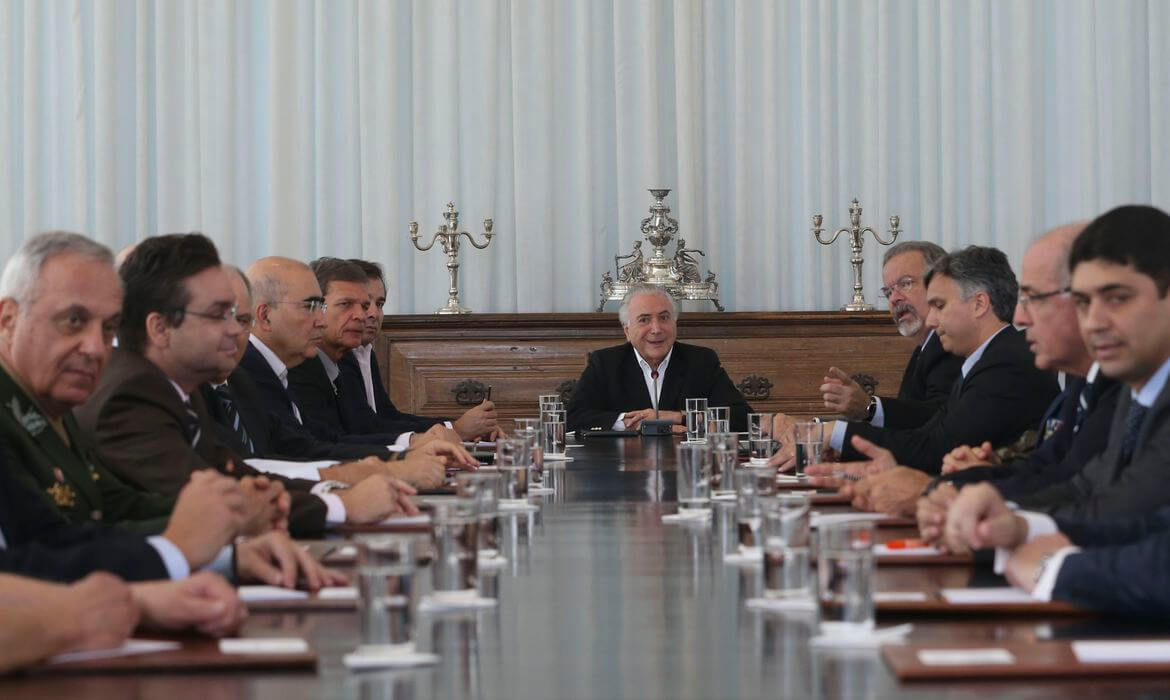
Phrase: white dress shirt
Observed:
(278, 367)
(364, 354)
(653, 385)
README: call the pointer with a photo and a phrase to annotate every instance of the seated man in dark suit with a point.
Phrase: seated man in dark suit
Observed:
(1075, 427)
(1000, 393)
(147, 418)
(362, 379)
(931, 372)
(651, 374)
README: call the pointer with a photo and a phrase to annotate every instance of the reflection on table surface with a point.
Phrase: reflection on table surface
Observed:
(600, 599)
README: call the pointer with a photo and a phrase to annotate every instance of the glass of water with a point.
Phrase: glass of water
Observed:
(759, 425)
(724, 458)
(549, 398)
(456, 527)
(810, 435)
(718, 419)
(512, 458)
(553, 433)
(529, 430)
(786, 528)
(845, 578)
(760, 449)
(694, 475)
(483, 488)
(696, 417)
(387, 593)
(747, 509)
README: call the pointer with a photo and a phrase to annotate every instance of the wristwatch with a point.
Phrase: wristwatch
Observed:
(871, 409)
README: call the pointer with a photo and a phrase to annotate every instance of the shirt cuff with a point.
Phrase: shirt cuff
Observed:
(402, 443)
(222, 564)
(1047, 580)
(449, 424)
(837, 439)
(879, 414)
(173, 559)
(291, 470)
(1039, 525)
(620, 424)
(335, 509)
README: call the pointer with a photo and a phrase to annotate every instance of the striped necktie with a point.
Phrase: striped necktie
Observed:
(194, 425)
(224, 394)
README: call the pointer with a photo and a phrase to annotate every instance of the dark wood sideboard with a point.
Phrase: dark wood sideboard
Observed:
(440, 365)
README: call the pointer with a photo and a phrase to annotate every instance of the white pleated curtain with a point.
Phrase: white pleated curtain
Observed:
(322, 128)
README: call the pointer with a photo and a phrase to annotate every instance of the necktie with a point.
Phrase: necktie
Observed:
(224, 394)
(654, 396)
(1133, 424)
(193, 427)
(1082, 406)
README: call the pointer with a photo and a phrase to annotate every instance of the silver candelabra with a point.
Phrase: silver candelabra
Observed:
(448, 234)
(856, 239)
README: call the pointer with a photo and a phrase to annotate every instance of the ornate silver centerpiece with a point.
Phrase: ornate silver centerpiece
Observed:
(678, 274)
(856, 239)
(449, 234)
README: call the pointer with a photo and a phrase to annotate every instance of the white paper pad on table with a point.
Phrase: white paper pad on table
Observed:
(517, 506)
(863, 640)
(481, 443)
(130, 647)
(986, 596)
(420, 519)
(346, 551)
(899, 597)
(751, 557)
(496, 562)
(540, 491)
(789, 478)
(371, 659)
(727, 496)
(255, 594)
(688, 516)
(817, 519)
(338, 593)
(262, 645)
(882, 550)
(782, 604)
(574, 445)
(557, 458)
(441, 603)
(1146, 651)
(965, 657)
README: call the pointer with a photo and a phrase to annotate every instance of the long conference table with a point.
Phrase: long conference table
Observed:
(600, 599)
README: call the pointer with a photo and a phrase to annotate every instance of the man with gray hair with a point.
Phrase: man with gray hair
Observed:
(651, 375)
(931, 371)
(971, 296)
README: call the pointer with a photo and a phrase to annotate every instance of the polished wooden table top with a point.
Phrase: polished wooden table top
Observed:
(601, 600)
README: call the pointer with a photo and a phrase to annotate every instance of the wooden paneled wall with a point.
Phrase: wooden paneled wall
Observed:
(431, 363)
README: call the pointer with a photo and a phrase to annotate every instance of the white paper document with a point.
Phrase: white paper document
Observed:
(255, 594)
(1146, 651)
(130, 647)
(965, 657)
(420, 519)
(271, 645)
(986, 596)
(899, 597)
(337, 593)
(882, 550)
(819, 519)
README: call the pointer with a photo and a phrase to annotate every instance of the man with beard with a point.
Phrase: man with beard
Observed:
(931, 372)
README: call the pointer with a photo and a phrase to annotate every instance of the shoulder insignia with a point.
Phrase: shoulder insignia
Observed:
(31, 420)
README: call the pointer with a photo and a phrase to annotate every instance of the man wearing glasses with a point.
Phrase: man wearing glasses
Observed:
(931, 372)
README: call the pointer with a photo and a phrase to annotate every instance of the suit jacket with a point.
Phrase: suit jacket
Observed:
(926, 383)
(1061, 455)
(387, 418)
(1124, 565)
(66, 473)
(272, 399)
(327, 410)
(613, 383)
(41, 543)
(1001, 397)
(1105, 488)
(142, 431)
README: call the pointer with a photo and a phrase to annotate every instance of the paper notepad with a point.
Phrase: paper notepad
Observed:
(986, 596)
(272, 645)
(420, 519)
(965, 657)
(899, 597)
(818, 519)
(337, 593)
(1153, 651)
(255, 594)
(130, 647)
(882, 550)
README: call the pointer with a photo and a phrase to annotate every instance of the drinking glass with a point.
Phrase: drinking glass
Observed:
(549, 398)
(747, 508)
(845, 577)
(724, 458)
(786, 523)
(512, 459)
(810, 436)
(694, 475)
(696, 417)
(456, 528)
(529, 430)
(759, 425)
(760, 449)
(718, 419)
(483, 488)
(385, 571)
(553, 433)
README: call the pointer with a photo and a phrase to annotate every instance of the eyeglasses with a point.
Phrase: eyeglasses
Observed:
(1025, 298)
(903, 285)
(225, 316)
(310, 305)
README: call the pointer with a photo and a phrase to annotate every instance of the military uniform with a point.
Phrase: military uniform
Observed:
(53, 460)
